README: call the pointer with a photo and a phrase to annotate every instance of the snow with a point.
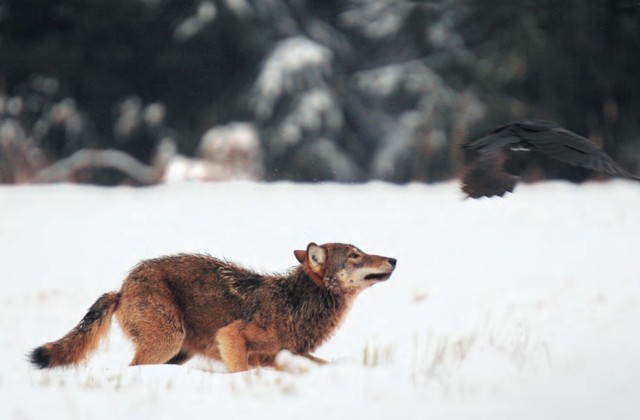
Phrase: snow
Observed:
(412, 76)
(193, 25)
(230, 152)
(518, 308)
(315, 110)
(376, 19)
(295, 64)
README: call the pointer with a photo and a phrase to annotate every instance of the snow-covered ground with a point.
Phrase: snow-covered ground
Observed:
(520, 308)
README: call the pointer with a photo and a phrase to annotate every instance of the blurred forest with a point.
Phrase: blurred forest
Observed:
(136, 91)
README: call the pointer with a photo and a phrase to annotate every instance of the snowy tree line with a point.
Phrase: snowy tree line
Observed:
(320, 90)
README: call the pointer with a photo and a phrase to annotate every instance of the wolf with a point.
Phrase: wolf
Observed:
(175, 307)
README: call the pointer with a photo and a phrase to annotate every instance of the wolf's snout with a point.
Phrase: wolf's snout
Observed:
(393, 262)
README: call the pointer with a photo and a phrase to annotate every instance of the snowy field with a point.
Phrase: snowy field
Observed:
(520, 308)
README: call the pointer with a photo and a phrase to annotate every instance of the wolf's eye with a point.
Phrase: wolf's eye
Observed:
(354, 255)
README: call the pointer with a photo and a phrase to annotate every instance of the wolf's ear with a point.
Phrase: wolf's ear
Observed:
(316, 255)
(300, 255)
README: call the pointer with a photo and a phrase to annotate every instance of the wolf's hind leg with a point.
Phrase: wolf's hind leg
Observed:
(179, 359)
(153, 322)
(157, 349)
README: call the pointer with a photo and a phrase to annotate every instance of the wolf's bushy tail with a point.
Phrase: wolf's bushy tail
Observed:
(76, 345)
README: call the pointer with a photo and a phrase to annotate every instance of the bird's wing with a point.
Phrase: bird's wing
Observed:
(567, 146)
(485, 176)
(496, 139)
(493, 162)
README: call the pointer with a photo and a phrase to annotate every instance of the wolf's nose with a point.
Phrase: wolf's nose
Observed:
(393, 261)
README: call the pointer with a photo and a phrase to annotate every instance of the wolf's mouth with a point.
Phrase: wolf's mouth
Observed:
(377, 276)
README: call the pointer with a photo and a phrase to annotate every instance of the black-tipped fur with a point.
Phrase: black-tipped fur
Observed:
(81, 340)
(40, 358)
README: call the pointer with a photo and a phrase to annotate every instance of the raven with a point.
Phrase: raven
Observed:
(495, 162)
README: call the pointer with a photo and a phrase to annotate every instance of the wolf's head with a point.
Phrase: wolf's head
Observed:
(344, 266)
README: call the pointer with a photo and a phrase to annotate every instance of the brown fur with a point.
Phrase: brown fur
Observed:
(173, 308)
(81, 340)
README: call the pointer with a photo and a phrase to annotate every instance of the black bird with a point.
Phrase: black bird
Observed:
(495, 162)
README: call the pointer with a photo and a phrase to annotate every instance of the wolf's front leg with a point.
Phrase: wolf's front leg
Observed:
(315, 359)
(233, 347)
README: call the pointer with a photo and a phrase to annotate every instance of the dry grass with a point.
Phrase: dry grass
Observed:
(376, 355)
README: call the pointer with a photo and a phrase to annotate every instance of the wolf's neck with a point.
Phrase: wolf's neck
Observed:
(314, 311)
